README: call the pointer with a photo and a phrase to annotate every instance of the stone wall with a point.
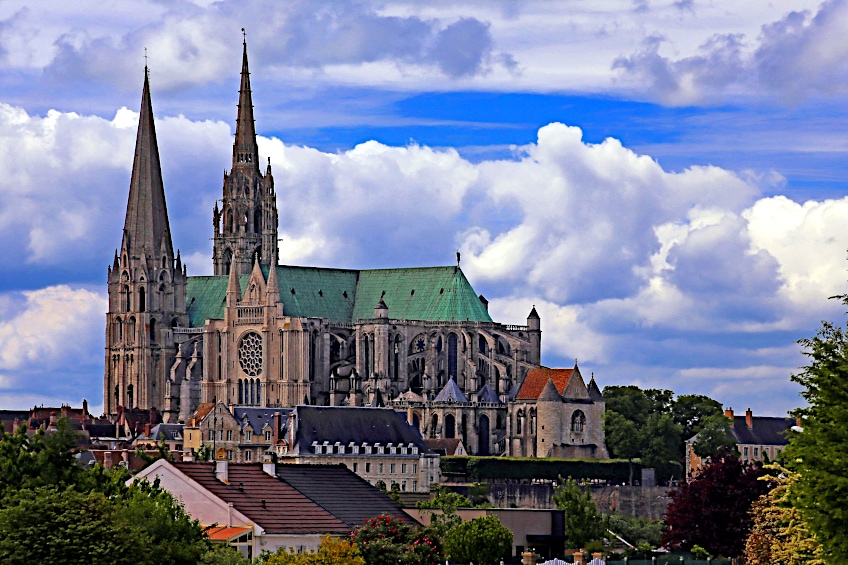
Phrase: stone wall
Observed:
(644, 502)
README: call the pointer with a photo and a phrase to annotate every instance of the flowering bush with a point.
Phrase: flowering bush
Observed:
(389, 540)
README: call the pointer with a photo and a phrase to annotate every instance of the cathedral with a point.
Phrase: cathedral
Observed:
(257, 333)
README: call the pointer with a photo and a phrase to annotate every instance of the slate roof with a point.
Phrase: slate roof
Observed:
(259, 417)
(536, 379)
(342, 493)
(285, 510)
(766, 430)
(486, 394)
(594, 391)
(450, 393)
(347, 296)
(346, 424)
(164, 431)
(444, 446)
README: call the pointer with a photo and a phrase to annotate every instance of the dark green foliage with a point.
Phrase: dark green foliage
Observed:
(482, 540)
(583, 522)
(691, 410)
(713, 510)
(221, 554)
(52, 510)
(482, 469)
(820, 452)
(636, 530)
(387, 540)
(714, 436)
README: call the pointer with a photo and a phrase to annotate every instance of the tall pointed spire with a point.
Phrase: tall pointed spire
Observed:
(146, 225)
(233, 286)
(245, 150)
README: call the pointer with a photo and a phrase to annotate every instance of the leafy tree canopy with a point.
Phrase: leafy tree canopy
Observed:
(820, 452)
(388, 540)
(583, 522)
(482, 540)
(714, 436)
(332, 551)
(713, 509)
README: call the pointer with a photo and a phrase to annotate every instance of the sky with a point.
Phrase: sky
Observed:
(664, 180)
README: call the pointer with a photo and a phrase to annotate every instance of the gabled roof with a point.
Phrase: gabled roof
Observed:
(549, 393)
(342, 493)
(346, 424)
(450, 393)
(341, 295)
(444, 446)
(594, 391)
(164, 431)
(200, 413)
(274, 505)
(487, 395)
(536, 379)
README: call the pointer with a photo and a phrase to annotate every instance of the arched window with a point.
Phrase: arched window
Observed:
(450, 426)
(532, 420)
(228, 227)
(131, 331)
(126, 298)
(257, 221)
(119, 330)
(482, 345)
(258, 400)
(500, 422)
(313, 356)
(240, 392)
(452, 347)
(396, 358)
(463, 429)
(153, 331)
(578, 421)
(435, 425)
(519, 419)
(483, 443)
(227, 260)
(141, 302)
(129, 396)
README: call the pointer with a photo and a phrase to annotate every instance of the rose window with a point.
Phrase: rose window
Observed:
(250, 354)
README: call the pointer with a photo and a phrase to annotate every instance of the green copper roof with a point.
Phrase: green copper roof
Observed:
(428, 293)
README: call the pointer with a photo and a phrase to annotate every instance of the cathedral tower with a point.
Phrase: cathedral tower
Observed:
(246, 223)
(147, 285)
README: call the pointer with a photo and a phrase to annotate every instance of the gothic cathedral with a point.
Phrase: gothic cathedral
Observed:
(257, 333)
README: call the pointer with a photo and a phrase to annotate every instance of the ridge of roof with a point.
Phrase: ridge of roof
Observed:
(451, 393)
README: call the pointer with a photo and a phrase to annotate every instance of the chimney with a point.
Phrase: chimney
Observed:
(221, 471)
(749, 418)
(292, 431)
(484, 302)
(729, 413)
(147, 430)
(268, 464)
(84, 408)
(229, 514)
(409, 417)
(107, 459)
(277, 426)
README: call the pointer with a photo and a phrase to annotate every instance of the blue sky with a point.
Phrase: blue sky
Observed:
(665, 181)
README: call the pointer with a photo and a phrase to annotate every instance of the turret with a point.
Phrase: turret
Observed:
(549, 411)
(534, 329)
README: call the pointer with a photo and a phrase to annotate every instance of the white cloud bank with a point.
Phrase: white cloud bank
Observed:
(644, 275)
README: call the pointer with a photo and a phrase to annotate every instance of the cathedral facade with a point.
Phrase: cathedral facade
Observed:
(257, 333)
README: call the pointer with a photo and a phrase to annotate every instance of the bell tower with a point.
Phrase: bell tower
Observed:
(147, 285)
(246, 224)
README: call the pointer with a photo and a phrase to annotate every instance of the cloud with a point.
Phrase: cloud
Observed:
(50, 327)
(801, 54)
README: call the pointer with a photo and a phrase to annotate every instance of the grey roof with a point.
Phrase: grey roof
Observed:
(257, 418)
(356, 424)
(164, 431)
(451, 393)
(549, 393)
(486, 394)
(594, 391)
(343, 494)
(766, 430)
(513, 392)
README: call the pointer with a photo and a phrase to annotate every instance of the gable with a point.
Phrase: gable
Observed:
(536, 379)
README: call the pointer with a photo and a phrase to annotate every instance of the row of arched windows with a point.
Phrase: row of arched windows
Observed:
(249, 392)
(127, 299)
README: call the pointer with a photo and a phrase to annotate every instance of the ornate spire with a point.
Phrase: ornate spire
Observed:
(245, 151)
(272, 289)
(233, 286)
(146, 226)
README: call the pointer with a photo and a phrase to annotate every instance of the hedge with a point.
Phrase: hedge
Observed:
(484, 469)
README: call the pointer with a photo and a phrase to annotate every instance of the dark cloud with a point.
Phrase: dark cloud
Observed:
(462, 48)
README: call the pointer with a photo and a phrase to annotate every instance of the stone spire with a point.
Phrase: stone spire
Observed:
(233, 286)
(146, 228)
(245, 151)
(272, 289)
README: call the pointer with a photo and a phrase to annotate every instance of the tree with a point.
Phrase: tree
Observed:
(690, 412)
(388, 540)
(223, 554)
(779, 533)
(482, 540)
(447, 501)
(635, 530)
(660, 439)
(583, 521)
(622, 438)
(713, 509)
(332, 551)
(818, 453)
(714, 436)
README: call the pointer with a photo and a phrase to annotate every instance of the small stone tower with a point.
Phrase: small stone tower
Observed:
(534, 329)
(549, 409)
(246, 223)
(147, 285)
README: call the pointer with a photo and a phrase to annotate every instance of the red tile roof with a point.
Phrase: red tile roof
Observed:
(536, 380)
(202, 411)
(273, 504)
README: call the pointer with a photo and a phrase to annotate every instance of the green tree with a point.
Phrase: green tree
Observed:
(482, 540)
(660, 440)
(222, 554)
(447, 501)
(622, 438)
(714, 436)
(389, 540)
(583, 521)
(780, 534)
(818, 453)
(635, 530)
(691, 410)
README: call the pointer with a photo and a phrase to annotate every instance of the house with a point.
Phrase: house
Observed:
(446, 446)
(757, 438)
(258, 507)
(378, 444)
(152, 437)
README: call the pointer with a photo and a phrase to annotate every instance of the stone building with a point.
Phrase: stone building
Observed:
(277, 336)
